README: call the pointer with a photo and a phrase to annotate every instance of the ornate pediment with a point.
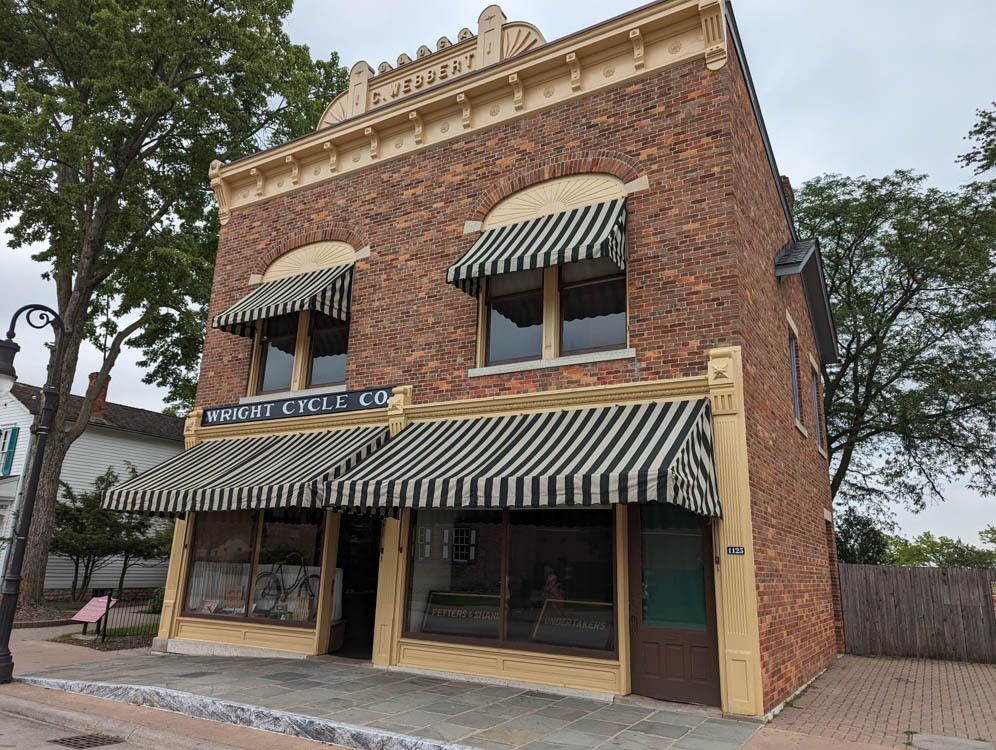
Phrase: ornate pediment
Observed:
(496, 40)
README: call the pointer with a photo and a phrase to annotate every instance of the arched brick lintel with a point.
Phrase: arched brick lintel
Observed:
(326, 232)
(614, 163)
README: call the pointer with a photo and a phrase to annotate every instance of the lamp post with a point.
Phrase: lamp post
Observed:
(37, 316)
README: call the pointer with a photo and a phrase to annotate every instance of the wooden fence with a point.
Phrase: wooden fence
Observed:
(936, 613)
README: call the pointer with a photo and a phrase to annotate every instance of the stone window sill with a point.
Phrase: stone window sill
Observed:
(292, 394)
(543, 364)
(801, 428)
(822, 451)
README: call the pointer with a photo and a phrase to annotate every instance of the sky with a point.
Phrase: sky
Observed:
(853, 87)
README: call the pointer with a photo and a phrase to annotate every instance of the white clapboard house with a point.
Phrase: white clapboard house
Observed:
(116, 436)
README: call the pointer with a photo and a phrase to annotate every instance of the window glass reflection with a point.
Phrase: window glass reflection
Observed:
(593, 315)
(277, 353)
(329, 344)
(220, 560)
(515, 316)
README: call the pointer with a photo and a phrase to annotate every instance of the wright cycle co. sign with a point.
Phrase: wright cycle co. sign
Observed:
(299, 406)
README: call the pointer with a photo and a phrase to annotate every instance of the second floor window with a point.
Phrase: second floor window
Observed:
(303, 350)
(794, 365)
(570, 309)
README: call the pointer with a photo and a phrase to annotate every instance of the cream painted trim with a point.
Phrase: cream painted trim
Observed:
(601, 57)
(736, 592)
(580, 673)
(635, 186)
(315, 256)
(469, 227)
(240, 633)
(302, 348)
(326, 593)
(813, 364)
(306, 392)
(551, 313)
(827, 515)
(792, 325)
(623, 642)
(554, 197)
(801, 428)
(255, 278)
(543, 364)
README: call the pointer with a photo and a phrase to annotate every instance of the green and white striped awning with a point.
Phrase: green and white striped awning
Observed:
(637, 453)
(327, 291)
(595, 231)
(275, 471)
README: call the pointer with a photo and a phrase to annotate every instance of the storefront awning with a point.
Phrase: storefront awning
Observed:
(613, 454)
(327, 291)
(248, 473)
(594, 231)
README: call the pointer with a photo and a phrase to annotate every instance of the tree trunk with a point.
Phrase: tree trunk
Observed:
(76, 578)
(88, 567)
(121, 579)
(43, 518)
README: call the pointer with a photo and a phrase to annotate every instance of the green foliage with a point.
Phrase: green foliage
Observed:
(110, 114)
(155, 605)
(91, 536)
(983, 156)
(911, 272)
(859, 540)
(939, 552)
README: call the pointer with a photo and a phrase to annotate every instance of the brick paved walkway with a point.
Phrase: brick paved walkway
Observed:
(877, 699)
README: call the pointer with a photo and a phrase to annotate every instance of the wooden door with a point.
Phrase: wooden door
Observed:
(672, 605)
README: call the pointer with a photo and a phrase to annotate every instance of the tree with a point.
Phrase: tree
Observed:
(988, 535)
(940, 552)
(92, 537)
(983, 156)
(911, 272)
(860, 540)
(110, 114)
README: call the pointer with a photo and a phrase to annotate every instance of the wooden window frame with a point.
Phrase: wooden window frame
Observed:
(553, 322)
(257, 537)
(301, 372)
(502, 642)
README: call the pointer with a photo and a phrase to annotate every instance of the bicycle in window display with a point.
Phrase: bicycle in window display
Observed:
(273, 593)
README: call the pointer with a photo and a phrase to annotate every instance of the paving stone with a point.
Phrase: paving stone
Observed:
(280, 676)
(448, 731)
(594, 726)
(562, 712)
(498, 692)
(536, 723)
(477, 719)
(659, 729)
(509, 735)
(940, 742)
(449, 707)
(266, 692)
(706, 743)
(402, 703)
(482, 744)
(544, 745)
(628, 740)
(508, 710)
(574, 738)
(418, 718)
(621, 714)
(586, 704)
(680, 718)
(725, 729)
(355, 716)
(391, 726)
(526, 701)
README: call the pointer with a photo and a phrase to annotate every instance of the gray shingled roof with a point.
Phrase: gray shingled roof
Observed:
(795, 253)
(115, 416)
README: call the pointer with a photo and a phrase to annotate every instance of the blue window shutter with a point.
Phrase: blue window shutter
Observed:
(8, 457)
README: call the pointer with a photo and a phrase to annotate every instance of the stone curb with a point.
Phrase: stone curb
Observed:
(43, 623)
(241, 714)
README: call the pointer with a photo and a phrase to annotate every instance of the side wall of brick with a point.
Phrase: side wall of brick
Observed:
(788, 476)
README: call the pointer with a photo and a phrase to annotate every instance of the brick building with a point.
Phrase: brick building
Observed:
(514, 371)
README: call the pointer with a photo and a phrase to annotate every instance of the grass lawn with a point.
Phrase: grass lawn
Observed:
(116, 632)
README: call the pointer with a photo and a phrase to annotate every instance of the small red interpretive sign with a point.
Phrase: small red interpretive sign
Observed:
(94, 609)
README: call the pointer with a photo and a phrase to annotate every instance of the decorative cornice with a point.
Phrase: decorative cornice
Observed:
(667, 34)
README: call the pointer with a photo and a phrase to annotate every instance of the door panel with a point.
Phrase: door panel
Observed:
(672, 602)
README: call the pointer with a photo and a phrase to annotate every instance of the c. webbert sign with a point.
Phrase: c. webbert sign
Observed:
(300, 406)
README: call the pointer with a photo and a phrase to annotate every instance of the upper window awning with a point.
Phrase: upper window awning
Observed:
(600, 456)
(275, 471)
(327, 291)
(594, 231)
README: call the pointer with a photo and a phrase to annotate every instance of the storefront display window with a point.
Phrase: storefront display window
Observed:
(520, 578)
(263, 565)
(451, 594)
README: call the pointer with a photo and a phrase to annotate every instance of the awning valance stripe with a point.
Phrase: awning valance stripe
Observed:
(327, 291)
(248, 473)
(594, 231)
(614, 454)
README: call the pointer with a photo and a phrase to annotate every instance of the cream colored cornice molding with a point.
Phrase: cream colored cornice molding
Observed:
(622, 49)
(400, 411)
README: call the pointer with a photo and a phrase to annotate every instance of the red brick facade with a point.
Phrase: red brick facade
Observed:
(701, 243)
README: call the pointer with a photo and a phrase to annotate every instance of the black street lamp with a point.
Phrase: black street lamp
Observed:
(38, 316)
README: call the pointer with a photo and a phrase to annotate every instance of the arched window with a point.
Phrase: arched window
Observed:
(298, 317)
